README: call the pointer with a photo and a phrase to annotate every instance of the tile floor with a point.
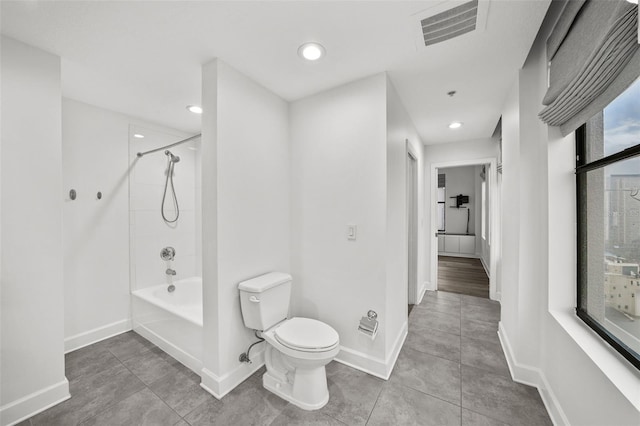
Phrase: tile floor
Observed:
(451, 371)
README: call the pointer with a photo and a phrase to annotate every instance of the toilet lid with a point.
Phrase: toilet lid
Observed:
(306, 333)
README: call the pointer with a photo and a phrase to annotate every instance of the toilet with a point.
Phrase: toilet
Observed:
(297, 348)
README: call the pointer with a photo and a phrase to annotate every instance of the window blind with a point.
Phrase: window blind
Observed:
(594, 56)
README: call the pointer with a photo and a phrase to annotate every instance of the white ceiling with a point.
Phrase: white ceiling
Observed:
(144, 58)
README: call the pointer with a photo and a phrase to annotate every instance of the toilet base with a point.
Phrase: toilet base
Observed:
(309, 390)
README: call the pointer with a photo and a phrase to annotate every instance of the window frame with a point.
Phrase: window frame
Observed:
(582, 167)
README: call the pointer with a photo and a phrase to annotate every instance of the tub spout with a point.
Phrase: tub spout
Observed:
(170, 271)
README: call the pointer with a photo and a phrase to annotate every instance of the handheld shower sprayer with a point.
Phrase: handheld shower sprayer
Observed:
(173, 158)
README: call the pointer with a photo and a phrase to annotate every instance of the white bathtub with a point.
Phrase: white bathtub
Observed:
(172, 321)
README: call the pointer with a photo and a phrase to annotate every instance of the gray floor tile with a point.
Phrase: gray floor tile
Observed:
(207, 413)
(500, 398)
(436, 320)
(90, 395)
(126, 345)
(428, 374)
(88, 361)
(470, 418)
(400, 405)
(247, 404)
(257, 376)
(480, 329)
(181, 422)
(352, 394)
(293, 415)
(24, 423)
(472, 300)
(450, 306)
(425, 339)
(148, 366)
(484, 354)
(141, 409)
(180, 392)
(481, 313)
(442, 295)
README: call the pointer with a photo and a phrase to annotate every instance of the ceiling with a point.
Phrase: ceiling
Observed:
(144, 58)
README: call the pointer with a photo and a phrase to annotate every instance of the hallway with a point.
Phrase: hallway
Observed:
(462, 275)
(451, 371)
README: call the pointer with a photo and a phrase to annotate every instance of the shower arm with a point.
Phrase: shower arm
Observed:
(141, 154)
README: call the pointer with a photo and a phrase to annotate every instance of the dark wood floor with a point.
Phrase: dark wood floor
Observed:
(463, 276)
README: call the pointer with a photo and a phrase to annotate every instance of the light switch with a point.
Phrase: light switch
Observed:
(351, 232)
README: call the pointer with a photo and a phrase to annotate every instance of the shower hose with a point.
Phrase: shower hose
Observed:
(169, 180)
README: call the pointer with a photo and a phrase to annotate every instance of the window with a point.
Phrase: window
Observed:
(608, 195)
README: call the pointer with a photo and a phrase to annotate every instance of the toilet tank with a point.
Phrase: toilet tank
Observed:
(265, 300)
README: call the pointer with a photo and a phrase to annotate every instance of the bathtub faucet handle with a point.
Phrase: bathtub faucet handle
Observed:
(170, 271)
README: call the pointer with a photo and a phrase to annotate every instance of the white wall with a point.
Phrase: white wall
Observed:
(349, 153)
(96, 232)
(339, 143)
(582, 380)
(246, 166)
(402, 136)
(32, 315)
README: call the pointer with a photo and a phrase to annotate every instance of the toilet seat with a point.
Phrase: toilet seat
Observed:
(306, 335)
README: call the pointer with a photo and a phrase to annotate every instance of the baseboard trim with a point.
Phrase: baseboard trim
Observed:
(34, 403)
(532, 376)
(372, 365)
(423, 290)
(97, 334)
(467, 255)
(486, 268)
(219, 386)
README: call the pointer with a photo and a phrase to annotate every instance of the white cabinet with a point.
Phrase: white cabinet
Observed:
(457, 244)
(452, 243)
(467, 244)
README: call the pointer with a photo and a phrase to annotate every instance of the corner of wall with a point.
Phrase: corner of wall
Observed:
(219, 386)
(532, 376)
(375, 366)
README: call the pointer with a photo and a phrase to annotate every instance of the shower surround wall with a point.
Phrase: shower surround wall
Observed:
(149, 233)
(178, 329)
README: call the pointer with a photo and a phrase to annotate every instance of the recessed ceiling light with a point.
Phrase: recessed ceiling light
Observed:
(455, 125)
(311, 51)
(138, 135)
(633, 1)
(194, 109)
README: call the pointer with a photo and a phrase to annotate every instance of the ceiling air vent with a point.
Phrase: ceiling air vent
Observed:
(450, 23)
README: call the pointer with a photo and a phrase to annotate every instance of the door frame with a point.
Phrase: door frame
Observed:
(494, 236)
(413, 236)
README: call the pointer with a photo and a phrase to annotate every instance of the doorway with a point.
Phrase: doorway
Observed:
(463, 211)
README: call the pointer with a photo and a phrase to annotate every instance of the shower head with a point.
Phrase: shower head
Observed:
(174, 158)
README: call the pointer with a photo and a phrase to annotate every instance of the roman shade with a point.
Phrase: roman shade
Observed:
(594, 56)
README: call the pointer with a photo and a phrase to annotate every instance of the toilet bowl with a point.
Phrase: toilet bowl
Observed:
(297, 348)
(297, 351)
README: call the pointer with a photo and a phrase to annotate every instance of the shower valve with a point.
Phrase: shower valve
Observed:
(168, 253)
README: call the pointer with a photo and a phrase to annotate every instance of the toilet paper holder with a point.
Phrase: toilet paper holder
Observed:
(369, 324)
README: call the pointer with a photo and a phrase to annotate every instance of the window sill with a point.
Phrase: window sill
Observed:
(617, 369)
